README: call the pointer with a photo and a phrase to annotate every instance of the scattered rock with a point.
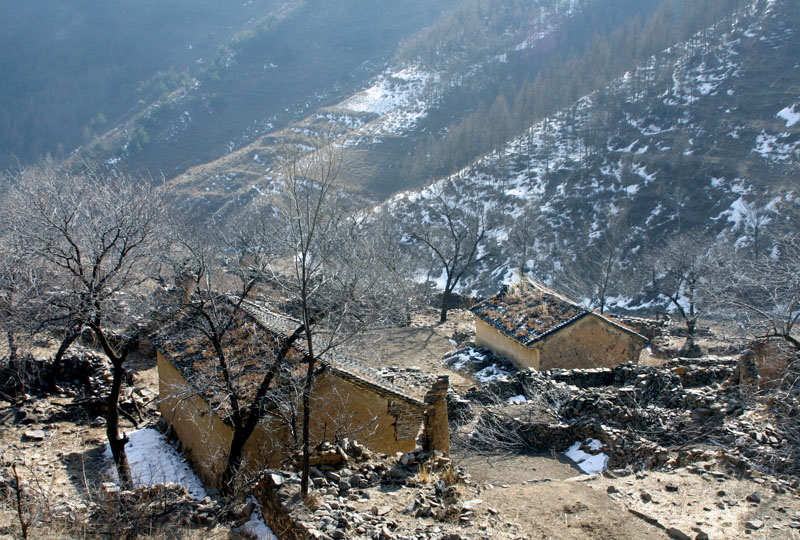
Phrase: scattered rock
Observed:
(677, 534)
(35, 435)
(754, 524)
(754, 497)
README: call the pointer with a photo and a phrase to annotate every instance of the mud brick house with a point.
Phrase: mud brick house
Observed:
(537, 328)
(348, 399)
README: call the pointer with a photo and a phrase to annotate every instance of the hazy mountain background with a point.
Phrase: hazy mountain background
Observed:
(597, 121)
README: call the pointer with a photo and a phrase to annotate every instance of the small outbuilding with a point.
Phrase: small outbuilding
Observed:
(535, 327)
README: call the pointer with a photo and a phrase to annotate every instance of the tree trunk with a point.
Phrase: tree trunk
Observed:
(12, 346)
(243, 431)
(445, 305)
(234, 460)
(306, 426)
(307, 413)
(65, 344)
(116, 442)
(690, 348)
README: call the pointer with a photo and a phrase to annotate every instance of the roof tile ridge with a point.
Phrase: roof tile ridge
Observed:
(369, 376)
(540, 287)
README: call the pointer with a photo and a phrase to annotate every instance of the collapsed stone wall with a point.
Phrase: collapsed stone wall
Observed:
(645, 416)
(329, 513)
(80, 371)
(681, 372)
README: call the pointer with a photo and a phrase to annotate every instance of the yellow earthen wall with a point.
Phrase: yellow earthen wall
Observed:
(587, 343)
(350, 410)
(269, 444)
(490, 337)
(339, 408)
(205, 437)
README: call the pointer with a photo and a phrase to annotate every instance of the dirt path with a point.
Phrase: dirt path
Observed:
(512, 469)
(410, 347)
(564, 510)
(694, 499)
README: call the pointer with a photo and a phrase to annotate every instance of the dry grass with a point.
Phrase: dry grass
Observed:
(450, 476)
(312, 500)
(424, 475)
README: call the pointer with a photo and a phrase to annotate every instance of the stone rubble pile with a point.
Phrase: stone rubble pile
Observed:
(80, 373)
(411, 378)
(341, 503)
(646, 416)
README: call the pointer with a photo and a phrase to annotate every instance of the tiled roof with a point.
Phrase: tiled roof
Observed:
(528, 312)
(251, 345)
(253, 338)
(338, 360)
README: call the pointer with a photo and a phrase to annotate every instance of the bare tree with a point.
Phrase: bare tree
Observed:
(455, 233)
(678, 271)
(597, 270)
(755, 222)
(220, 271)
(525, 230)
(95, 235)
(330, 268)
(21, 285)
(764, 292)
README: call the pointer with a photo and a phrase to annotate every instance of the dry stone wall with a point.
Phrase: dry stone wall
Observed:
(645, 416)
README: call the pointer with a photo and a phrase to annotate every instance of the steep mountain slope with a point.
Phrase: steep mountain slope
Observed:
(305, 57)
(702, 137)
(74, 68)
(437, 78)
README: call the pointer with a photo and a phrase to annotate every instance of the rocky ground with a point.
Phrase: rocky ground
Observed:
(693, 450)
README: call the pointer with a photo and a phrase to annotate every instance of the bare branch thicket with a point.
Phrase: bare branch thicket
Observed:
(332, 265)
(95, 238)
(597, 272)
(763, 292)
(678, 271)
(497, 427)
(454, 231)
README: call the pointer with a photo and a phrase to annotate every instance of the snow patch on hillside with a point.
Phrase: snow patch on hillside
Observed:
(396, 98)
(776, 147)
(790, 115)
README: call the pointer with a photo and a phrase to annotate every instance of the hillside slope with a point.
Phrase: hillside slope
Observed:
(302, 58)
(701, 137)
(75, 68)
(435, 81)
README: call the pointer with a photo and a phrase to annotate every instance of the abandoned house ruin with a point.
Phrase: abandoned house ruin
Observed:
(348, 398)
(535, 327)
